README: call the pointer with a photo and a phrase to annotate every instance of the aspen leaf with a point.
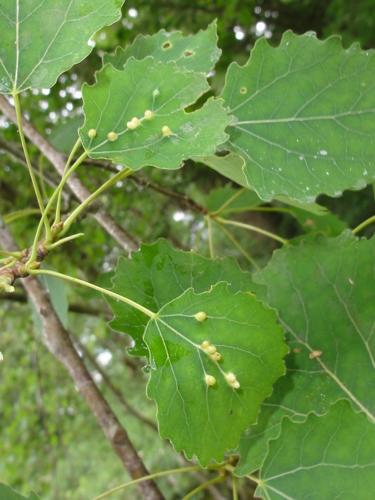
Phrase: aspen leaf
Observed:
(305, 117)
(42, 39)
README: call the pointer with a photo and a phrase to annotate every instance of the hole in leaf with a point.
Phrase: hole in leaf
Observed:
(166, 45)
(243, 90)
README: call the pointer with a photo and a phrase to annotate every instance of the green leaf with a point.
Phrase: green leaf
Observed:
(197, 52)
(157, 274)
(42, 39)
(328, 223)
(202, 419)
(7, 493)
(324, 457)
(65, 133)
(324, 292)
(305, 117)
(170, 135)
(227, 200)
(233, 167)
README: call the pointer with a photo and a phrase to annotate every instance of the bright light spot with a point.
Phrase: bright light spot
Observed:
(258, 9)
(53, 116)
(91, 43)
(133, 12)
(178, 216)
(260, 28)
(104, 358)
(239, 33)
(46, 91)
(43, 105)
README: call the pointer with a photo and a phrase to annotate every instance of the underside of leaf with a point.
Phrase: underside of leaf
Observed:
(157, 274)
(305, 117)
(214, 359)
(324, 293)
(197, 52)
(137, 116)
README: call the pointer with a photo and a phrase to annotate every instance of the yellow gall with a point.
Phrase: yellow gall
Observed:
(211, 349)
(200, 316)
(166, 131)
(210, 380)
(133, 123)
(230, 378)
(205, 344)
(112, 136)
(91, 133)
(315, 354)
(216, 356)
(148, 114)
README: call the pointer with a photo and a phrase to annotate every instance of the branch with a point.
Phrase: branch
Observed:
(125, 240)
(17, 155)
(58, 342)
(183, 200)
(73, 308)
(113, 388)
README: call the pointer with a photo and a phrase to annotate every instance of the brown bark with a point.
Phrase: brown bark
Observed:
(58, 342)
(124, 239)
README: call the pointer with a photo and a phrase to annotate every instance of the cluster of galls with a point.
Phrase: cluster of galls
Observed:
(133, 124)
(211, 351)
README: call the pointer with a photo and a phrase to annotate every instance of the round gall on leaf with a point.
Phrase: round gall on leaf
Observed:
(201, 316)
(149, 114)
(211, 349)
(112, 136)
(210, 380)
(166, 131)
(133, 123)
(91, 133)
(230, 378)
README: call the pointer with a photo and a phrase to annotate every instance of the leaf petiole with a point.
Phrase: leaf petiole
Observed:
(34, 182)
(34, 249)
(363, 224)
(87, 284)
(60, 189)
(146, 478)
(203, 486)
(109, 183)
(250, 227)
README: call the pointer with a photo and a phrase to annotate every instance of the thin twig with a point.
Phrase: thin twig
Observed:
(124, 239)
